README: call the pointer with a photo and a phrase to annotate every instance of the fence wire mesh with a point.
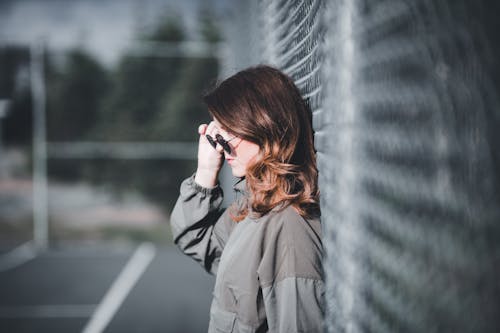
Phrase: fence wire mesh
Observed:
(410, 209)
(291, 36)
(404, 96)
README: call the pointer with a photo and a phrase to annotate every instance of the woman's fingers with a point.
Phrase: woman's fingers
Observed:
(209, 159)
(207, 129)
(210, 129)
(219, 148)
(202, 129)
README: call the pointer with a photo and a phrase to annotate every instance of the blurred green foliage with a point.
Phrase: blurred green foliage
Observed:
(14, 85)
(143, 98)
(74, 97)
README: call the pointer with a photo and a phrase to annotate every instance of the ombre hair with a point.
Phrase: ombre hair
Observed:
(262, 105)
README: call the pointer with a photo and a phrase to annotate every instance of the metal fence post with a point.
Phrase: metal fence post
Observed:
(40, 193)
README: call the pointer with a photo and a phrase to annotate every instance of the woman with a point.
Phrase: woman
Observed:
(265, 249)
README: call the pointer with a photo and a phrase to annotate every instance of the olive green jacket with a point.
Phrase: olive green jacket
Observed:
(268, 270)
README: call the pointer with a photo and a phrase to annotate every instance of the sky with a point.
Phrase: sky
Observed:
(103, 27)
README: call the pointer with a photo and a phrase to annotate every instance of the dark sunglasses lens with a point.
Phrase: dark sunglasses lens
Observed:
(211, 140)
(223, 143)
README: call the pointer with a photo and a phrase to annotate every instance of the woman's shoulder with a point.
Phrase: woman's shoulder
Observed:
(289, 217)
(296, 241)
(289, 227)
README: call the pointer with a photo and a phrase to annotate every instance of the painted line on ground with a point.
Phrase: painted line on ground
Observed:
(18, 256)
(121, 287)
(48, 311)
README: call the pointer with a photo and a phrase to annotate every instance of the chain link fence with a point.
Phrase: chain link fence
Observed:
(404, 96)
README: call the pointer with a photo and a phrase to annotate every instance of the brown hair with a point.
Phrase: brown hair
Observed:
(262, 105)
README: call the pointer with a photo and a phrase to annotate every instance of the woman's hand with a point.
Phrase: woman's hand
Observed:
(209, 159)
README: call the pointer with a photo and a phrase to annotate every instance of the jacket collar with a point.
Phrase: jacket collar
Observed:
(241, 185)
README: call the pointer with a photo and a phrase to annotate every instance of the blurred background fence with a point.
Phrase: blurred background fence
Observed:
(99, 105)
(404, 96)
(120, 129)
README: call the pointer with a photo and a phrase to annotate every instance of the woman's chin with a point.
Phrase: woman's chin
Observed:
(237, 172)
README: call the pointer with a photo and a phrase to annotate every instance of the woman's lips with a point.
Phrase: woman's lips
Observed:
(229, 160)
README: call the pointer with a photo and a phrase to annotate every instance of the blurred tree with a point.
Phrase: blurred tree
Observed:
(15, 86)
(209, 30)
(75, 92)
(74, 96)
(181, 110)
(138, 86)
(155, 99)
(182, 107)
(144, 98)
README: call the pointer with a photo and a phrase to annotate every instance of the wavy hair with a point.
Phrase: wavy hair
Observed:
(263, 105)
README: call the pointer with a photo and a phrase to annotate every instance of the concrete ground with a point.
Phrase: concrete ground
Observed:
(102, 288)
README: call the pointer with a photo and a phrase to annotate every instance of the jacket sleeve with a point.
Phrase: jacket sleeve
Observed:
(200, 228)
(295, 304)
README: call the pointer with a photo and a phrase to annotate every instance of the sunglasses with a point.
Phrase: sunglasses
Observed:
(220, 140)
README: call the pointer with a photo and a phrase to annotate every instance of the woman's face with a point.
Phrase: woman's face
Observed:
(242, 152)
